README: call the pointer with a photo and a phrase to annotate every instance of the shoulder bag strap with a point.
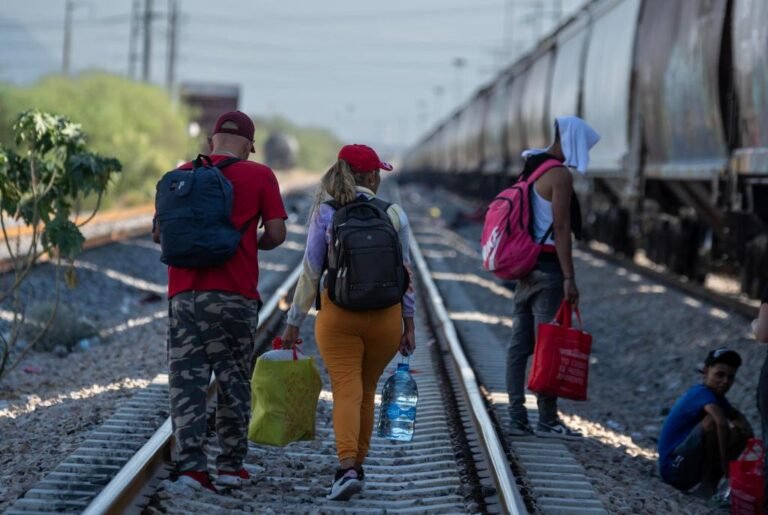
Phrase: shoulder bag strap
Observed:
(324, 267)
(541, 170)
(227, 162)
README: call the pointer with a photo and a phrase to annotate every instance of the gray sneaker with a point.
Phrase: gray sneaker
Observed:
(345, 485)
(520, 428)
(556, 429)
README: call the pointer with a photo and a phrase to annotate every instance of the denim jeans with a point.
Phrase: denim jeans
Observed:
(762, 407)
(537, 298)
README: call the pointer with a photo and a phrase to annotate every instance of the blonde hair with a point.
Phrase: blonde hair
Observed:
(338, 183)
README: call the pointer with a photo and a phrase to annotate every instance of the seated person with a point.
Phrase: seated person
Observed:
(703, 432)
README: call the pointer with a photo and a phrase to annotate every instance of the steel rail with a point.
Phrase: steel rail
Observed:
(506, 486)
(741, 306)
(119, 494)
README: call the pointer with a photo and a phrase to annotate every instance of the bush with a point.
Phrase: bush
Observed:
(135, 122)
(66, 329)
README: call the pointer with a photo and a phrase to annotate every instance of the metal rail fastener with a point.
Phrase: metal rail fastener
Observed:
(511, 499)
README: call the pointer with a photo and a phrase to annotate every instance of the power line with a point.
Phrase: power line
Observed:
(325, 17)
(173, 20)
(69, 6)
(133, 39)
(147, 48)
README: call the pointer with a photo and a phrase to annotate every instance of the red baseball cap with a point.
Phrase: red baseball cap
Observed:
(237, 123)
(362, 159)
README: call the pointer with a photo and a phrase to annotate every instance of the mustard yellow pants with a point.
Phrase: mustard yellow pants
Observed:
(356, 347)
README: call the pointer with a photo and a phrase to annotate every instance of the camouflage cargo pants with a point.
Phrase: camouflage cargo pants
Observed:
(210, 332)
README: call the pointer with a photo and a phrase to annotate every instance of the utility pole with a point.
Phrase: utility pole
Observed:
(133, 39)
(69, 6)
(173, 20)
(508, 33)
(146, 57)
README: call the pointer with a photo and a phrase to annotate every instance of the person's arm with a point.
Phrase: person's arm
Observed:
(721, 425)
(761, 325)
(740, 422)
(312, 269)
(273, 235)
(271, 210)
(155, 230)
(408, 339)
(562, 189)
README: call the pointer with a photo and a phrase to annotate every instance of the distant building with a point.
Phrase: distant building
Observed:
(208, 101)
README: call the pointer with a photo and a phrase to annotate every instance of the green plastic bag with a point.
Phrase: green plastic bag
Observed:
(284, 398)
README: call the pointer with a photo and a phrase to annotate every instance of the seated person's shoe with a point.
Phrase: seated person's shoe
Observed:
(556, 429)
(722, 499)
(233, 479)
(345, 484)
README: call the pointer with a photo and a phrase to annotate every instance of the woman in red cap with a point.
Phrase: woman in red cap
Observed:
(356, 345)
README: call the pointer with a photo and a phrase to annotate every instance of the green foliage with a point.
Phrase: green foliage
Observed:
(317, 146)
(42, 180)
(50, 170)
(135, 122)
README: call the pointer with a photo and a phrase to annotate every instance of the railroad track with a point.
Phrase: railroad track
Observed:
(741, 305)
(456, 462)
(460, 459)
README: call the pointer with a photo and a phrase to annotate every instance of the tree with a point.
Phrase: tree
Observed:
(43, 181)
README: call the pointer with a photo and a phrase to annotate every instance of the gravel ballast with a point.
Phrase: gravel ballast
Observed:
(48, 404)
(648, 342)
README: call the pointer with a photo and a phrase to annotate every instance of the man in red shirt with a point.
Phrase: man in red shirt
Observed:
(213, 315)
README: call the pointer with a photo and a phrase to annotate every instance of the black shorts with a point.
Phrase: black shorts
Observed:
(685, 463)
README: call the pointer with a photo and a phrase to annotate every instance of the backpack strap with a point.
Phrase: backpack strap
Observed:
(201, 159)
(541, 170)
(227, 162)
(335, 205)
(381, 204)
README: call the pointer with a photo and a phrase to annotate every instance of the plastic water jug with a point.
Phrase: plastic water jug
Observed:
(397, 416)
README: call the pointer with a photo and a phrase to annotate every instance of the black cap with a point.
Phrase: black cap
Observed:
(723, 355)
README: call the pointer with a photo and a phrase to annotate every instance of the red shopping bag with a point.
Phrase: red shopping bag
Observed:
(747, 480)
(561, 357)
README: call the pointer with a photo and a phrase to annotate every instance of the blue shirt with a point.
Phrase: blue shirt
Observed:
(686, 413)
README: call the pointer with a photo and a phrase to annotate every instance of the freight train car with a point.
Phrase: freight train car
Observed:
(207, 102)
(678, 91)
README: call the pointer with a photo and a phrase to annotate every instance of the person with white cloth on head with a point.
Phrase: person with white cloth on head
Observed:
(556, 216)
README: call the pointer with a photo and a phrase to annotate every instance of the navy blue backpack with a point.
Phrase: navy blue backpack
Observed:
(193, 209)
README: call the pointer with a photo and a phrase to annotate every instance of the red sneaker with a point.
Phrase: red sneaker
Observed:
(196, 480)
(233, 479)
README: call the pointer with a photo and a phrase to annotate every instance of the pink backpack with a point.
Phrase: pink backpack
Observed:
(509, 250)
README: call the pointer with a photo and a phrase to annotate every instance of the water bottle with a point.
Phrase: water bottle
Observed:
(397, 416)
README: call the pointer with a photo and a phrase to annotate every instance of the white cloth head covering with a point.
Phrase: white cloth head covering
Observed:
(576, 138)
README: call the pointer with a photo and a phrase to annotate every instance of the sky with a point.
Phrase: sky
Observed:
(381, 73)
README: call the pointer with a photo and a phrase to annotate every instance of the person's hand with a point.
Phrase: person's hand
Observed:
(408, 339)
(570, 291)
(290, 336)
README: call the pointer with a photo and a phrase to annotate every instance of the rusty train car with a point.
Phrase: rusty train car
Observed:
(207, 101)
(678, 90)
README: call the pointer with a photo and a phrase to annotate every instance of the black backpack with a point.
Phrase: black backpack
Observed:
(365, 258)
(193, 209)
